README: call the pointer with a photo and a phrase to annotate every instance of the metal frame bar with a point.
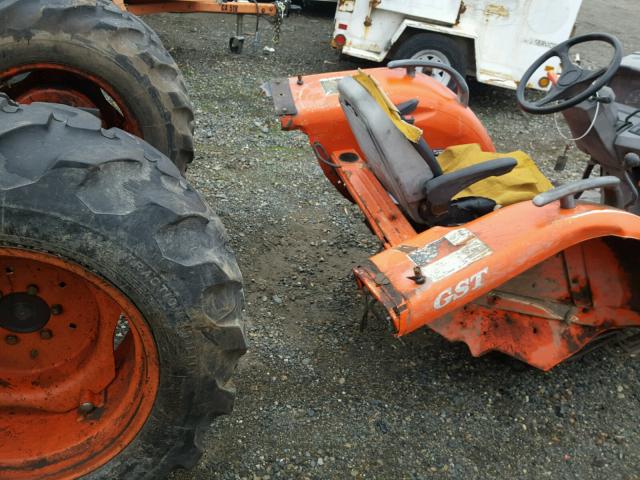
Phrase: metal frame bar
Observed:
(198, 6)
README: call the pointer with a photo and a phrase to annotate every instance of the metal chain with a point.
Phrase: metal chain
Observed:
(281, 9)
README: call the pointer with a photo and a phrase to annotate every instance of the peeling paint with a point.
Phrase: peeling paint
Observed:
(463, 8)
(346, 5)
(372, 5)
(497, 10)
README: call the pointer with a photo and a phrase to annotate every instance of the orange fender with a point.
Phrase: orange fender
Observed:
(535, 283)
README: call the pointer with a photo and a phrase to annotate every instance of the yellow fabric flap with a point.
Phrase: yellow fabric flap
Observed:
(412, 132)
(523, 183)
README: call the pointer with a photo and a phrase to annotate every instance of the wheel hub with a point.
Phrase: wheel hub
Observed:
(73, 398)
(438, 57)
(23, 313)
(44, 82)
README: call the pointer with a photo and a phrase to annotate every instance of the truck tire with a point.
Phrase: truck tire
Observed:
(434, 47)
(128, 324)
(90, 54)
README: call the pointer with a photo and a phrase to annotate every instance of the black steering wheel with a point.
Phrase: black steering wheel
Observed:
(575, 83)
(462, 89)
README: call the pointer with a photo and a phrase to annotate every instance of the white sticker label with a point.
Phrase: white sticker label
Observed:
(471, 252)
(462, 288)
(330, 85)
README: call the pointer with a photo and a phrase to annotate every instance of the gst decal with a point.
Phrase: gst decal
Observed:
(449, 254)
(462, 288)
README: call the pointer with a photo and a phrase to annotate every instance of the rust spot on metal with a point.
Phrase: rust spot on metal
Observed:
(393, 298)
(497, 10)
(461, 11)
(372, 4)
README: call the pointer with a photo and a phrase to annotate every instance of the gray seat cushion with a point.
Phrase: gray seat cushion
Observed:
(390, 155)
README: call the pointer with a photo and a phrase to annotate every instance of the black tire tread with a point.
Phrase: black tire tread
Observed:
(162, 219)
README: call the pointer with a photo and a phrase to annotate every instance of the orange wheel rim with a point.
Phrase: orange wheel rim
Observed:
(78, 368)
(55, 83)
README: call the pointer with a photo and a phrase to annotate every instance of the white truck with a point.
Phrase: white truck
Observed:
(492, 40)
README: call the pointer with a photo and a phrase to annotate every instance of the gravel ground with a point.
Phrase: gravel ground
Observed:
(316, 397)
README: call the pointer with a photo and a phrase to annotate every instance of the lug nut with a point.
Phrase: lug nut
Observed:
(46, 334)
(32, 289)
(33, 353)
(56, 309)
(86, 407)
(11, 339)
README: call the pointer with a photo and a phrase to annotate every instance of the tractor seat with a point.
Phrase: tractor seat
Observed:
(460, 185)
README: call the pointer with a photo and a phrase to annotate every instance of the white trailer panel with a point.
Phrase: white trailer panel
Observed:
(498, 39)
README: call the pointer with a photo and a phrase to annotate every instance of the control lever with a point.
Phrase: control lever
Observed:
(565, 193)
(631, 160)
(408, 107)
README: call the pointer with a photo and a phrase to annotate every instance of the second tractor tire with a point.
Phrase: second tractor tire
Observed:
(96, 38)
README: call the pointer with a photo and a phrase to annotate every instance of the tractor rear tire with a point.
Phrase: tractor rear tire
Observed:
(78, 50)
(106, 204)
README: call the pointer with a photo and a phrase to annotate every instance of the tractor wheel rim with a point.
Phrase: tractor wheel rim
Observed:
(438, 57)
(76, 88)
(79, 379)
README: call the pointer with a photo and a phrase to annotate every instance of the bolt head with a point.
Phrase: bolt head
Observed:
(32, 289)
(11, 339)
(86, 407)
(56, 309)
(46, 334)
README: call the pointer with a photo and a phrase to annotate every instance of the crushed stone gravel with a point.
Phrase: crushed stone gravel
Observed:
(317, 398)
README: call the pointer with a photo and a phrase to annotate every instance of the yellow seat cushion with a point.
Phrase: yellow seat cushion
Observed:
(523, 183)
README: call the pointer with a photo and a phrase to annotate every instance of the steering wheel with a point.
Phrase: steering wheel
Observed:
(575, 84)
(462, 89)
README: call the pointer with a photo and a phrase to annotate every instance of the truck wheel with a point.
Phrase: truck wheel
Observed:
(120, 314)
(90, 54)
(435, 48)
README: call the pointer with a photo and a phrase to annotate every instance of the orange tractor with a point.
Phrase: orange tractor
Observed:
(121, 301)
(479, 246)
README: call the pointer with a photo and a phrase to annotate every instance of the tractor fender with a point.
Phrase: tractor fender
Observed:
(444, 268)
